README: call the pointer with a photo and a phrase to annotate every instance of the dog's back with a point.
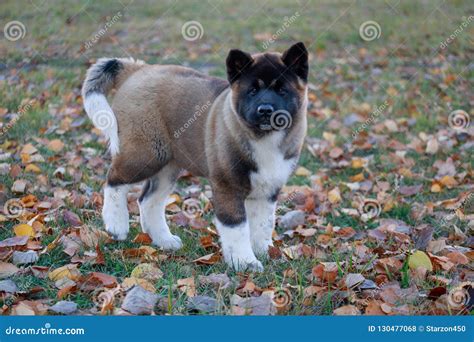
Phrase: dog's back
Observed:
(144, 108)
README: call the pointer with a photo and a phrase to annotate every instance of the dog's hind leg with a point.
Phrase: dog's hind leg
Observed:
(152, 203)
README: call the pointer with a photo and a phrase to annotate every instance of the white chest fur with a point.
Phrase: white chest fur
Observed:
(273, 168)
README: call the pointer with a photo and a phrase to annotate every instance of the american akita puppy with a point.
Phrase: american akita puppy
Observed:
(244, 134)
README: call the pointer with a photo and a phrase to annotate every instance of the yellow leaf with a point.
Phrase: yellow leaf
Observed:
(448, 181)
(302, 171)
(32, 168)
(55, 145)
(436, 187)
(147, 271)
(334, 196)
(358, 163)
(420, 259)
(358, 177)
(392, 91)
(173, 199)
(405, 172)
(329, 137)
(24, 230)
(69, 271)
(128, 283)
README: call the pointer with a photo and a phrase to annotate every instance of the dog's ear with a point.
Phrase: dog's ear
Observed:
(237, 61)
(296, 58)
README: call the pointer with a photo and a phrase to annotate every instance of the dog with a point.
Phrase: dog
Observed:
(243, 134)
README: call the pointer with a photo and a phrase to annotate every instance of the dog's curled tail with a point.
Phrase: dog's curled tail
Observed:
(103, 76)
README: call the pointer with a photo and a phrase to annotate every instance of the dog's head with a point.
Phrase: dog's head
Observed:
(268, 89)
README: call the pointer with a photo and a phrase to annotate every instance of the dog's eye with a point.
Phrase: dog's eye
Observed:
(253, 91)
(281, 91)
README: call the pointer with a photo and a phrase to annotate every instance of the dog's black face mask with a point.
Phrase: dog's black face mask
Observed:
(268, 89)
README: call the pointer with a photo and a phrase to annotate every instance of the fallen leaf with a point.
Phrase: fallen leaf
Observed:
(130, 282)
(420, 259)
(24, 230)
(143, 239)
(64, 307)
(139, 301)
(7, 270)
(69, 271)
(55, 145)
(147, 271)
(209, 259)
(187, 286)
(347, 310)
(302, 172)
(334, 196)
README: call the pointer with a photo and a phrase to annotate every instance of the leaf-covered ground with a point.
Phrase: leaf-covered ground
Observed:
(378, 218)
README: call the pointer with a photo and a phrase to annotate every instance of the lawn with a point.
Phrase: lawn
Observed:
(384, 184)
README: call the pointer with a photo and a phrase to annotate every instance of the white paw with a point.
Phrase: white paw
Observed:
(169, 242)
(117, 226)
(241, 264)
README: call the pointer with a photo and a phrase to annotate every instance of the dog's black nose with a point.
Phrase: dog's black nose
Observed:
(265, 109)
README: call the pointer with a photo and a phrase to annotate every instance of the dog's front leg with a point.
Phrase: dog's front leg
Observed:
(233, 228)
(261, 214)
